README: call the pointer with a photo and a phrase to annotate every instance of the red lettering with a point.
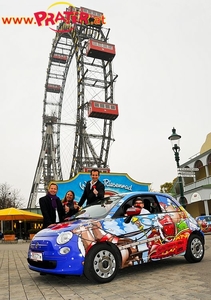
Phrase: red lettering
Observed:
(68, 15)
(6, 20)
(84, 18)
(28, 20)
(72, 16)
(17, 20)
(97, 21)
(43, 16)
(40, 16)
(59, 17)
(49, 19)
(103, 19)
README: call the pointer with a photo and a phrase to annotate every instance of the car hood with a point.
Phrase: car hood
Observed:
(55, 229)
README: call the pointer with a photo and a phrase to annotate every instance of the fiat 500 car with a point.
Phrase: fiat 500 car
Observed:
(112, 234)
(205, 223)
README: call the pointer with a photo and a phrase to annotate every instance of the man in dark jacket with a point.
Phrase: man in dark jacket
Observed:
(94, 189)
(51, 207)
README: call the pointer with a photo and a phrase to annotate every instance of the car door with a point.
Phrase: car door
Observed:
(134, 234)
(162, 233)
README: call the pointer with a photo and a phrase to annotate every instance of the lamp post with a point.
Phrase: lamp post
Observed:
(175, 140)
(20, 235)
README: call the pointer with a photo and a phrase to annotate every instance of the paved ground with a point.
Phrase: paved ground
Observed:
(170, 279)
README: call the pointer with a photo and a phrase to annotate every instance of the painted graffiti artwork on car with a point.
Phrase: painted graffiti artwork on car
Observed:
(205, 223)
(114, 234)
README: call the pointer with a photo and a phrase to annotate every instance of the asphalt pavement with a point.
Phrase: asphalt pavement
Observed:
(168, 279)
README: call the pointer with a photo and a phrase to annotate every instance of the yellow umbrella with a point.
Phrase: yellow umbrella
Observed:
(11, 214)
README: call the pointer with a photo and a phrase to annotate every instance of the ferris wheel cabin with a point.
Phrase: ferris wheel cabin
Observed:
(86, 16)
(59, 58)
(53, 88)
(100, 50)
(102, 170)
(103, 110)
(92, 13)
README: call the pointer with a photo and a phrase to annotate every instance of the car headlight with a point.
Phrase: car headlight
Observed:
(64, 237)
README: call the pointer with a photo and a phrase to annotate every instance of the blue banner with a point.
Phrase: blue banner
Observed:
(114, 183)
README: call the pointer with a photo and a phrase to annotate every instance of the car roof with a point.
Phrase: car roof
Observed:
(203, 217)
(147, 193)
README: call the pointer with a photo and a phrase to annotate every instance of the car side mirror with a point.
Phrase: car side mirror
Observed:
(133, 211)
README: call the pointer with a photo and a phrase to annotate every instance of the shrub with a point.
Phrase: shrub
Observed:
(9, 232)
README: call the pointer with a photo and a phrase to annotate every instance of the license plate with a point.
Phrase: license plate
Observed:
(37, 256)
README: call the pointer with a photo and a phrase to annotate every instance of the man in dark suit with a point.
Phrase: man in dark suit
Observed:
(51, 207)
(94, 189)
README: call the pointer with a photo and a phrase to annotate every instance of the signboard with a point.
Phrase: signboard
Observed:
(187, 172)
(114, 183)
(186, 175)
(187, 169)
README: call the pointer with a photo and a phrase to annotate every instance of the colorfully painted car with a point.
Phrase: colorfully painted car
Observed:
(112, 234)
(205, 223)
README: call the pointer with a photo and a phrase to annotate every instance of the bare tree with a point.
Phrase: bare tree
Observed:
(9, 197)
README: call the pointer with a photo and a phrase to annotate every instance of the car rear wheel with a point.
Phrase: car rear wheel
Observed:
(102, 263)
(195, 249)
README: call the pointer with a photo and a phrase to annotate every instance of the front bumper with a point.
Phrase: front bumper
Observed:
(45, 256)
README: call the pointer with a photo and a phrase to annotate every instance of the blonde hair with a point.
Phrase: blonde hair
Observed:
(52, 183)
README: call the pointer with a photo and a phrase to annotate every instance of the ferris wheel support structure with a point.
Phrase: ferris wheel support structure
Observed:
(65, 109)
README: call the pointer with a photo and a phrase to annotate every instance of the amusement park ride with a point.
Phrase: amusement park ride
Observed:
(78, 105)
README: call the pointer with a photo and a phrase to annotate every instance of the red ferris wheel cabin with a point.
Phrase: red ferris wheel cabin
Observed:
(100, 50)
(102, 170)
(59, 58)
(103, 110)
(53, 88)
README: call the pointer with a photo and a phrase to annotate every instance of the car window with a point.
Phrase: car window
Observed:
(167, 204)
(150, 203)
(121, 211)
(208, 219)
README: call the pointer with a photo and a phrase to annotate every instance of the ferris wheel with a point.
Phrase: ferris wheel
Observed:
(78, 105)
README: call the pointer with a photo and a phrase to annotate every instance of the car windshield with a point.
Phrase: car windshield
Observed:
(99, 209)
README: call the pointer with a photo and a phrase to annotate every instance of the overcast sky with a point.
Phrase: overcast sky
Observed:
(163, 63)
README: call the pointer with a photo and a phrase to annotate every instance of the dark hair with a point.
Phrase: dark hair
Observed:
(70, 191)
(138, 199)
(94, 170)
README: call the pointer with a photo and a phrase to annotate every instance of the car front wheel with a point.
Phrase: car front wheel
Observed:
(102, 263)
(195, 249)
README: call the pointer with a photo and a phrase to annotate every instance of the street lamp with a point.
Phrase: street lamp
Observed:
(175, 140)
